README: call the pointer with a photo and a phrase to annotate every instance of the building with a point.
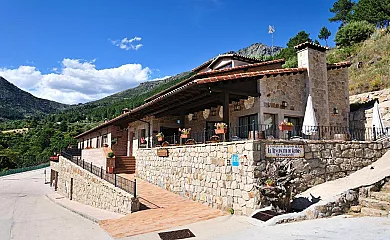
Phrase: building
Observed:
(252, 97)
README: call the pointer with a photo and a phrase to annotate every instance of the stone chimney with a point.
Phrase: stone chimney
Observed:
(125, 110)
(313, 57)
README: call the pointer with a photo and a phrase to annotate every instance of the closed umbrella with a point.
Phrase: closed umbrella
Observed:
(310, 124)
(377, 122)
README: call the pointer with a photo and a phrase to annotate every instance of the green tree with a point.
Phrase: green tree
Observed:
(376, 12)
(354, 32)
(289, 53)
(343, 11)
(324, 34)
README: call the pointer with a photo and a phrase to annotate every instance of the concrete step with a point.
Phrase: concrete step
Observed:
(382, 196)
(373, 203)
(374, 212)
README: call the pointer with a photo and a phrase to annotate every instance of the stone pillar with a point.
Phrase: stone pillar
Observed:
(313, 58)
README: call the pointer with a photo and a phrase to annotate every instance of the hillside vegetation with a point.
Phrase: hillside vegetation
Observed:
(18, 104)
(371, 62)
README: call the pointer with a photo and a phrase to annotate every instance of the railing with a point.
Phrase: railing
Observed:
(25, 169)
(118, 181)
(268, 131)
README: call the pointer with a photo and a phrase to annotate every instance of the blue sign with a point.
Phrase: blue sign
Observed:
(235, 161)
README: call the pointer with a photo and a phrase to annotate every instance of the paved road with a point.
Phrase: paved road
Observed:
(27, 214)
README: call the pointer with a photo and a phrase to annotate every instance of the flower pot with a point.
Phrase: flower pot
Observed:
(110, 170)
(286, 127)
(160, 139)
(184, 135)
(220, 130)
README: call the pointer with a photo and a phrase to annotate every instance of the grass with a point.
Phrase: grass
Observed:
(374, 54)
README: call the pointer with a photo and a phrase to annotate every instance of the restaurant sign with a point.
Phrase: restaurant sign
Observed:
(284, 151)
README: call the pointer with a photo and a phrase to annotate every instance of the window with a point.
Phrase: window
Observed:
(105, 139)
(246, 125)
(97, 142)
(297, 122)
(142, 138)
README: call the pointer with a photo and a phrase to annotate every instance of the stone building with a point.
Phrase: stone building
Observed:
(252, 97)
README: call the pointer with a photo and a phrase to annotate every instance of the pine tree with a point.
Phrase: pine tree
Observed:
(373, 11)
(324, 34)
(342, 10)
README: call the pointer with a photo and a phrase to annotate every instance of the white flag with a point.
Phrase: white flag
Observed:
(271, 29)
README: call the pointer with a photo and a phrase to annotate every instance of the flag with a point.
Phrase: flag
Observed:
(271, 29)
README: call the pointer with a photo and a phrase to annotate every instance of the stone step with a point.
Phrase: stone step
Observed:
(386, 187)
(374, 212)
(382, 196)
(373, 203)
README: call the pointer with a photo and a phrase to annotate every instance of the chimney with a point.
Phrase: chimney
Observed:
(313, 57)
(125, 110)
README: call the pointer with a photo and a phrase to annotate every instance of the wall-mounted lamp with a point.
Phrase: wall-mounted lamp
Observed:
(284, 104)
(213, 112)
(178, 121)
(237, 106)
(335, 110)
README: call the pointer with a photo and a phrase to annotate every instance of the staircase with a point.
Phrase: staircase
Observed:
(376, 204)
(124, 164)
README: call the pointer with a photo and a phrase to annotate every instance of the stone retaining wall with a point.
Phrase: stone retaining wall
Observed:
(204, 173)
(91, 190)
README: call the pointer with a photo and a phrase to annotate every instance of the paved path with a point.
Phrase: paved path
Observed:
(27, 214)
(167, 210)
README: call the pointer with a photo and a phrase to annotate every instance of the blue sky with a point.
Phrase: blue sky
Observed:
(76, 50)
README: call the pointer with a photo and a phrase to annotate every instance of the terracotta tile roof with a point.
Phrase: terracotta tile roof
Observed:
(311, 45)
(202, 74)
(242, 67)
(232, 55)
(339, 65)
(249, 74)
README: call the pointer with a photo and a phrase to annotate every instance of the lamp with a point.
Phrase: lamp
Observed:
(284, 104)
(237, 106)
(335, 110)
(213, 112)
(195, 116)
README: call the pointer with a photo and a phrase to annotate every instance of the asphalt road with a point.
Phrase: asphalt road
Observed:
(27, 214)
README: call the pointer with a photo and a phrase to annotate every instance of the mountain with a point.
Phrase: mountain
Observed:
(259, 50)
(18, 104)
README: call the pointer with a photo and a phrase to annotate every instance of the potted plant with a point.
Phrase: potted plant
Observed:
(220, 128)
(269, 182)
(185, 132)
(114, 141)
(110, 162)
(160, 136)
(286, 126)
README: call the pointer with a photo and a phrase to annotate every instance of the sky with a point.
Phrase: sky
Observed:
(76, 51)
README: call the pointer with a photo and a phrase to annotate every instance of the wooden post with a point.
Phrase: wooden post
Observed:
(226, 113)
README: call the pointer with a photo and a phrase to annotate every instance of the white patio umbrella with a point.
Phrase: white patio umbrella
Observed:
(377, 121)
(310, 124)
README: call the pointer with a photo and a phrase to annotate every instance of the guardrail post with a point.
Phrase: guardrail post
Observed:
(204, 135)
(174, 138)
(253, 129)
(101, 172)
(135, 187)
(91, 167)
(83, 164)
(115, 179)
(373, 129)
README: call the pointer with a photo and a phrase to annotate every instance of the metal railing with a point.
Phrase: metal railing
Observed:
(269, 131)
(118, 181)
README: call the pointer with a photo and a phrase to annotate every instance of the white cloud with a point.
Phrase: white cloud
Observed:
(128, 44)
(76, 80)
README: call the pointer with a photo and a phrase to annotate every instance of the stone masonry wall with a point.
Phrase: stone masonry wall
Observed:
(338, 96)
(204, 173)
(91, 190)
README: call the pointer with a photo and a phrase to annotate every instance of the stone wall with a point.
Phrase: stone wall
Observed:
(91, 190)
(324, 160)
(362, 104)
(204, 173)
(338, 97)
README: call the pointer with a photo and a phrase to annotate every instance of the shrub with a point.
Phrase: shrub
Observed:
(353, 33)
(110, 154)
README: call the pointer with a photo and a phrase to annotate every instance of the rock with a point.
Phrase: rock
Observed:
(356, 209)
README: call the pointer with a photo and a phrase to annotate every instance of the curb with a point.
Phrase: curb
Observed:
(93, 219)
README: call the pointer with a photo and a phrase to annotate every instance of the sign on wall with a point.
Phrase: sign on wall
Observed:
(235, 160)
(162, 152)
(281, 151)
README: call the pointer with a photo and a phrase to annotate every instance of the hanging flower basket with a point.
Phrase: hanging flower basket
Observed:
(184, 135)
(286, 126)
(160, 137)
(220, 130)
